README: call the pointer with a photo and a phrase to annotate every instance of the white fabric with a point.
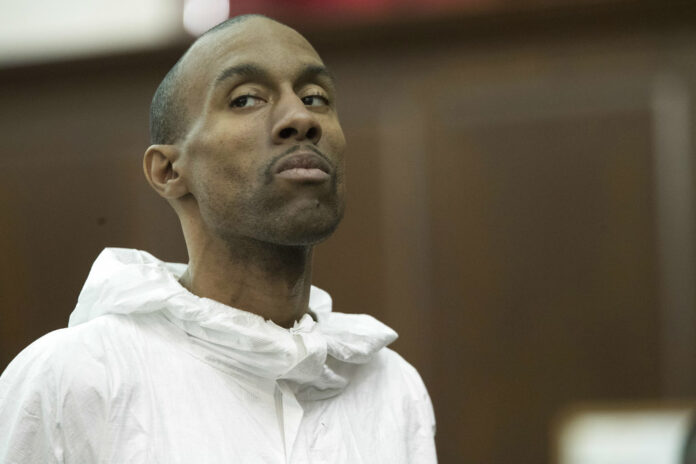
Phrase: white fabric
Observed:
(147, 372)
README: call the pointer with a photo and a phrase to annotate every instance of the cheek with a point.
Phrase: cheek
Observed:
(335, 133)
(336, 142)
(224, 155)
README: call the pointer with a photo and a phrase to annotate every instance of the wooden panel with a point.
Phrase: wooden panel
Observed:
(546, 243)
(71, 179)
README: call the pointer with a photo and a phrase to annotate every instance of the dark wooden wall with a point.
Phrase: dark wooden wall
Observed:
(520, 202)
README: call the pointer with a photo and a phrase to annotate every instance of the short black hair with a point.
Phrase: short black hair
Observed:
(167, 114)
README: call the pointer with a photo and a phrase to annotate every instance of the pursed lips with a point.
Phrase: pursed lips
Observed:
(304, 166)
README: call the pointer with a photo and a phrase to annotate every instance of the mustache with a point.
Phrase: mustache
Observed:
(269, 167)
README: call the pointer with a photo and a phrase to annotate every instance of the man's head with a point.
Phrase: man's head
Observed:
(246, 138)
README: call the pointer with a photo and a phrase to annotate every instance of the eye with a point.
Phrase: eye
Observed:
(246, 101)
(315, 100)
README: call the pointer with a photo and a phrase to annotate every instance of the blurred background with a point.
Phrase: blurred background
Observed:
(521, 193)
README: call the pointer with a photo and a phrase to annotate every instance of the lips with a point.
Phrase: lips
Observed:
(303, 167)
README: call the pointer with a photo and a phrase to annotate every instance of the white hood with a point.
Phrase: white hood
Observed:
(124, 281)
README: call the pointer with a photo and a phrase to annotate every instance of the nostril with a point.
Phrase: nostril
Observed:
(287, 132)
(312, 133)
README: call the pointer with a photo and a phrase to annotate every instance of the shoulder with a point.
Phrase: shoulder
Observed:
(84, 341)
(71, 369)
(409, 403)
(392, 362)
(68, 358)
(57, 387)
(390, 387)
(392, 380)
(387, 370)
(386, 380)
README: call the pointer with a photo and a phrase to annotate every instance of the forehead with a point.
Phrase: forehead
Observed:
(267, 44)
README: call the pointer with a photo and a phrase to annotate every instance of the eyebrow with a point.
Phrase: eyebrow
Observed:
(309, 73)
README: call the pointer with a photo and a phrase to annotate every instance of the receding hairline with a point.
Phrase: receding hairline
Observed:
(171, 128)
(231, 23)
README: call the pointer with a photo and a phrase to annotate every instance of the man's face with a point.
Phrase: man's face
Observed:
(263, 157)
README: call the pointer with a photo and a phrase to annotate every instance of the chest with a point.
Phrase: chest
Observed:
(194, 413)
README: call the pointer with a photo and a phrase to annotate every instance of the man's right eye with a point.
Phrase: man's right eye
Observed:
(245, 101)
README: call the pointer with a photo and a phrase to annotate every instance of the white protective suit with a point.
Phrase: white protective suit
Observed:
(147, 372)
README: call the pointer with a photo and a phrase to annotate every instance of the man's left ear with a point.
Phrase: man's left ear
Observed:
(160, 165)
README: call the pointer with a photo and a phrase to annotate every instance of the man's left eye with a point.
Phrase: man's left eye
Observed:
(315, 100)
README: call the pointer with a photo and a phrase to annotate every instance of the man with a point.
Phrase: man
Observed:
(235, 357)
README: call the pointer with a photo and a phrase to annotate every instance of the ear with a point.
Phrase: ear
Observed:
(159, 164)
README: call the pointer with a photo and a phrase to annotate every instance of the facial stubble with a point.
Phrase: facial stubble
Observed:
(275, 213)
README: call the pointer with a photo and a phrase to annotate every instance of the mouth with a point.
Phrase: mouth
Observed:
(303, 166)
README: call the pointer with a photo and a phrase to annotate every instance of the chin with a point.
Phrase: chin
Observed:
(309, 229)
(304, 226)
(302, 223)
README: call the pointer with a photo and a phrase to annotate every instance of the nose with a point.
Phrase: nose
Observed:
(295, 122)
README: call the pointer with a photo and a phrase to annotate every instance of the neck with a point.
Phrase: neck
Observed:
(270, 280)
